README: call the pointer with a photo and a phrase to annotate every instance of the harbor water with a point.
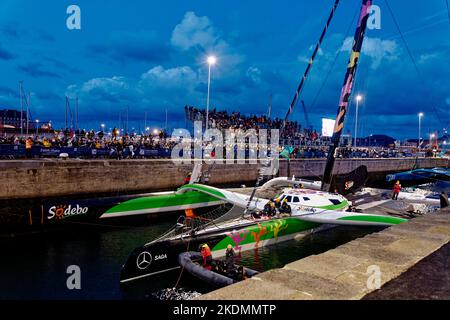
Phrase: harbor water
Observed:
(35, 266)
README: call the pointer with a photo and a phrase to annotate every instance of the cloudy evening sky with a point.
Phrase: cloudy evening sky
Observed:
(150, 55)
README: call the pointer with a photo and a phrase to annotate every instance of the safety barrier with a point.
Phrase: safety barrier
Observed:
(19, 151)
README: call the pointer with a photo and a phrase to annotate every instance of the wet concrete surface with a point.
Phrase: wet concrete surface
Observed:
(427, 280)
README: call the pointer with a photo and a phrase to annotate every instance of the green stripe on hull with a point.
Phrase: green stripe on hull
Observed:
(342, 205)
(203, 188)
(171, 200)
(265, 231)
(380, 219)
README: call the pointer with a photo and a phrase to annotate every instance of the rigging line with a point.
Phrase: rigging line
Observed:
(182, 268)
(309, 67)
(417, 29)
(412, 59)
(333, 64)
(448, 10)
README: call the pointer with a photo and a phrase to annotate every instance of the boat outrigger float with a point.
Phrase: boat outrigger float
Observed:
(312, 210)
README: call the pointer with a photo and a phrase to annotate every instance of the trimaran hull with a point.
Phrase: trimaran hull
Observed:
(162, 256)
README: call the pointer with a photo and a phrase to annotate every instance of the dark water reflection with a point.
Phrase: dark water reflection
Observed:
(34, 267)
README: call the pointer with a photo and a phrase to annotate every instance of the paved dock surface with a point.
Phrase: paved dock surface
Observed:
(428, 279)
(347, 272)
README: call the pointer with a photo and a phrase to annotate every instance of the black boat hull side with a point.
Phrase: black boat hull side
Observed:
(161, 256)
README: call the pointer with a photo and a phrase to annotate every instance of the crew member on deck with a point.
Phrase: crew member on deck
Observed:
(397, 189)
(187, 179)
(278, 203)
(256, 214)
(207, 257)
(285, 208)
(270, 209)
(273, 210)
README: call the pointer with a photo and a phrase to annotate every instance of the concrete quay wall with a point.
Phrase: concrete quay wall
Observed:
(56, 177)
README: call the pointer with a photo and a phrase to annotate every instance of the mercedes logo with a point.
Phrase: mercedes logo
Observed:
(143, 260)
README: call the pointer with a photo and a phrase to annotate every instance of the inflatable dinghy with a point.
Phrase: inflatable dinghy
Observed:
(189, 261)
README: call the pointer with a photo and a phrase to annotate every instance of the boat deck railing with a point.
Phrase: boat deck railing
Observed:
(194, 224)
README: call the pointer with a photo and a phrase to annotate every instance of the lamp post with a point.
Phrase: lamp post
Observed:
(211, 61)
(102, 126)
(37, 127)
(358, 99)
(420, 123)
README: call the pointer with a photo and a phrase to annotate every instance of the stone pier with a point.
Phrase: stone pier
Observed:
(56, 177)
(347, 272)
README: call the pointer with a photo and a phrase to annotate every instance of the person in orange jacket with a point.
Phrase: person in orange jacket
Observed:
(397, 189)
(28, 146)
(187, 179)
(207, 257)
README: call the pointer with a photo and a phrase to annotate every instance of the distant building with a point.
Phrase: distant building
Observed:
(12, 118)
(376, 140)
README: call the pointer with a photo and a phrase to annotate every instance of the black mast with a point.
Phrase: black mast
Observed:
(346, 92)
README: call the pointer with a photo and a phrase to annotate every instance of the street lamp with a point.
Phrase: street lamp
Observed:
(37, 127)
(103, 126)
(211, 61)
(432, 136)
(358, 99)
(420, 123)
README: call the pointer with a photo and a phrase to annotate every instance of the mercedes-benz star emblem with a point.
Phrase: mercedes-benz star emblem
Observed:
(143, 260)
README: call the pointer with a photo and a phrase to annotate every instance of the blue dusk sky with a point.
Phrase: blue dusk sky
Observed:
(150, 55)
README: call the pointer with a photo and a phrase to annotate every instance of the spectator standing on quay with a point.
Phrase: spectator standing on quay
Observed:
(397, 189)
(28, 145)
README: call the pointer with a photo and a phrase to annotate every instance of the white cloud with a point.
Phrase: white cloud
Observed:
(254, 74)
(170, 78)
(194, 31)
(427, 57)
(113, 85)
(112, 88)
(175, 86)
(375, 48)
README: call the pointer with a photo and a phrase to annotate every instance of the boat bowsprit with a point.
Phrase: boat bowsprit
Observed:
(216, 277)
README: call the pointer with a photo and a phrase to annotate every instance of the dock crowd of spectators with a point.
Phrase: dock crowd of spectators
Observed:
(235, 120)
(93, 140)
(304, 142)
